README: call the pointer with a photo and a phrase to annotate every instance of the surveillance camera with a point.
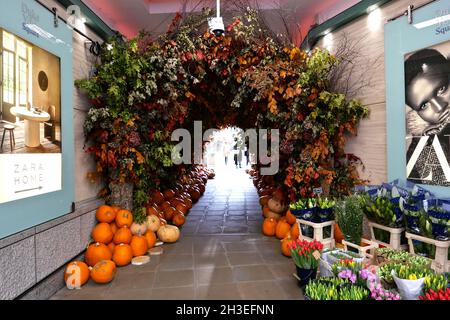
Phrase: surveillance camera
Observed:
(216, 26)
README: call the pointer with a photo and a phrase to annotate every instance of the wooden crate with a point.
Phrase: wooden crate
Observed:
(440, 262)
(318, 232)
(367, 252)
(395, 237)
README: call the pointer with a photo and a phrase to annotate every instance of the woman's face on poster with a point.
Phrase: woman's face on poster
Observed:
(429, 94)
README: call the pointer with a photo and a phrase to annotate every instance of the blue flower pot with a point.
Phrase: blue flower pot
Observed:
(440, 231)
(323, 215)
(307, 215)
(305, 275)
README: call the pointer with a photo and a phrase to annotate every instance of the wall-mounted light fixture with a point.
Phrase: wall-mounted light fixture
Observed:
(328, 40)
(374, 20)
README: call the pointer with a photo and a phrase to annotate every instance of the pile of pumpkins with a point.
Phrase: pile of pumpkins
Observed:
(117, 239)
(173, 205)
(278, 220)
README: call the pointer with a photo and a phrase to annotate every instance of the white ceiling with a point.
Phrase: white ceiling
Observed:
(131, 16)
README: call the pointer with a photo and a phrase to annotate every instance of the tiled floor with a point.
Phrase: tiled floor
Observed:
(221, 255)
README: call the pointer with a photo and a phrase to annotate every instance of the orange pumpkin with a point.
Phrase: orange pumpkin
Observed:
(157, 197)
(151, 210)
(169, 194)
(102, 233)
(105, 214)
(75, 269)
(123, 235)
(103, 271)
(282, 229)
(269, 227)
(116, 209)
(122, 255)
(124, 218)
(182, 208)
(195, 194)
(111, 247)
(338, 235)
(164, 205)
(150, 236)
(188, 203)
(139, 245)
(176, 201)
(114, 228)
(284, 247)
(290, 218)
(169, 212)
(97, 252)
(295, 232)
(179, 219)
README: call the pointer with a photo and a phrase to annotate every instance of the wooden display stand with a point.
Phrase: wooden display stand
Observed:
(318, 232)
(363, 250)
(394, 238)
(440, 262)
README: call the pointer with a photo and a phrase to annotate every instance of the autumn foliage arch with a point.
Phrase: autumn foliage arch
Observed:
(145, 88)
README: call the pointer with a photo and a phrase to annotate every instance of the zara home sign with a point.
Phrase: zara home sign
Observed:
(24, 175)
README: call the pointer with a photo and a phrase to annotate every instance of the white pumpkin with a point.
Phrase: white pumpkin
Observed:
(138, 228)
(168, 233)
(275, 206)
(153, 223)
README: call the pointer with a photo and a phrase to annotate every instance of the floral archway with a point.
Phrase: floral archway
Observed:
(145, 88)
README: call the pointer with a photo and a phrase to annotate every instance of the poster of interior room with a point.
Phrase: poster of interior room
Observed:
(30, 104)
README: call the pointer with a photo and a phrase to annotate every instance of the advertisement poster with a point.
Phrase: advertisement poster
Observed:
(30, 119)
(427, 93)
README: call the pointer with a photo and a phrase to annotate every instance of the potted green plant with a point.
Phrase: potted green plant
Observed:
(349, 217)
(306, 256)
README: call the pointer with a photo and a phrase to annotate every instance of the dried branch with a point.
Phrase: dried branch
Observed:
(350, 76)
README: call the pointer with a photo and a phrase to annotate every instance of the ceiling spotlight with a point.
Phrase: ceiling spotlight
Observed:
(216, 24)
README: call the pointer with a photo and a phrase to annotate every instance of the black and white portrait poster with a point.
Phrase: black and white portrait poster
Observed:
(427, 93)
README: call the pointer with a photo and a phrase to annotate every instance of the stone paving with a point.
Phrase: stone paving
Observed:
(221, 255)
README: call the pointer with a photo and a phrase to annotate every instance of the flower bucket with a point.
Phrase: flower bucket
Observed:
(412, 215)
(397, 211)
(440, 225)
(307, 215)
(305, 275)
(440, 231)
(324, 215)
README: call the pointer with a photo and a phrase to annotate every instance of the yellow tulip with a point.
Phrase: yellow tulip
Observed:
(412, 276)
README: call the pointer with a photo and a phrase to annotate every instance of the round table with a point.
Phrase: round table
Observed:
(32, 124)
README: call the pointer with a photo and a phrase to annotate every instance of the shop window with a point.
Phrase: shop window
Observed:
(15, 70)
(8, 76)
